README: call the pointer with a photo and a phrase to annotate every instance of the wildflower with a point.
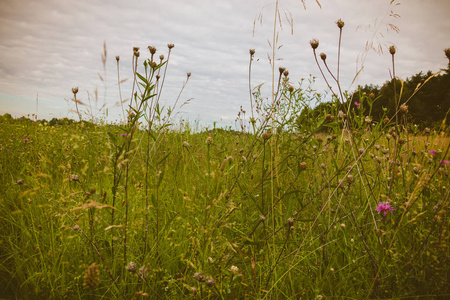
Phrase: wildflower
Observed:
(432, 152)
(445, 162)
(210, 282)
(26, 140)
(123, 134)
(384, 207)
(209, 140)
(357, 104)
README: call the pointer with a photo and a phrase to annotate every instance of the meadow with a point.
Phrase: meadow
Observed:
(298, 204)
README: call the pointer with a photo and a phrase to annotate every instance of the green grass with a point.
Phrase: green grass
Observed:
(292, 230)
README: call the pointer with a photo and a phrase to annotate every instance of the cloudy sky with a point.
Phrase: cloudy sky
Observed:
(49, 46)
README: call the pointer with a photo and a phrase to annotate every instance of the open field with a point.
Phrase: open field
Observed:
(99, 211)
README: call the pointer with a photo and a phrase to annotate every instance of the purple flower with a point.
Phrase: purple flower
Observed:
(25, 140)
(123, 134)
(432, 152)
(384, 207)
(357, 104)
(445, 162)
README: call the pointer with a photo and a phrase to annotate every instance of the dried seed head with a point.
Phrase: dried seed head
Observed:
(286, 73)
(342, 225)
(161, 57)
(153, 64)
(131, 267)
(19, 181)
(340, 23)
(199, 277)
(74, 177)
(302, 166)
(152, 49)
(185, 144)
(252, 52)
(136, 53)
(314, 43)
(170, 46)
(92, 276)
(341, 114)
(291, 89)
(75, 90)
(76, 227)
(135, 49)
(117, 57)
(262, 218)
(265, 136)
(281, 69)
(323, 56)
(188, 74)
(404, 108)
(142, 271)
(234, 270)
(392, 49)
(368, 120)
(290, 222)
(209, 140)
(210, 282)
(350, 178)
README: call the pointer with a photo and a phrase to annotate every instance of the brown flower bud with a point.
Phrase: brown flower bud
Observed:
(117, 57)
(340, 23)
(252, 52)
(314, 43)
(152, 49)
(281, 69)
(323, 56)
(392, 49)
(75, 90)
(170, 46)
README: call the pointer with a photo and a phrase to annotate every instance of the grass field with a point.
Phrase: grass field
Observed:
(87, 211)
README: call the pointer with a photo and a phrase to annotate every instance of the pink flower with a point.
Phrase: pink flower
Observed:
(25, 140)
(432, 152)
(384, 207)
(357, 104)
(123, 134)
(445, 162)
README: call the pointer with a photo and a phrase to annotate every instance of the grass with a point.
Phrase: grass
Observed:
(284, 209)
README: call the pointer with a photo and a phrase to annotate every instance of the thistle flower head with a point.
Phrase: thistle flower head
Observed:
(340, 23)
(384, 208)
(314, 43)
(392, 49)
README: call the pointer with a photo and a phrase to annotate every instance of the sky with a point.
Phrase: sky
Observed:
(47, 47)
